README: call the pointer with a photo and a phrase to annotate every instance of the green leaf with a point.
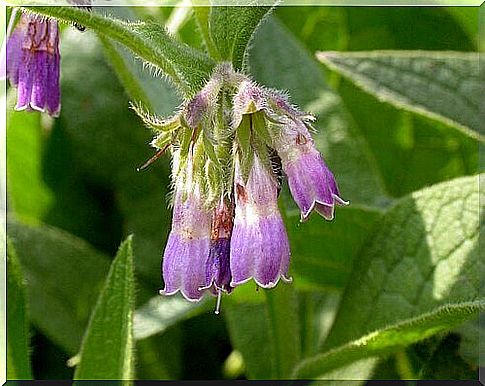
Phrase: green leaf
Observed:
(388, 339)
(416, 276)
(187, 67)
(63, 274)
(111, 324)
(18, 358)
(439, 85)
(159, 313)
(322, 252)
(29, 197)
(202, 14)
(282, 305)
(249, 331)
(232, 28)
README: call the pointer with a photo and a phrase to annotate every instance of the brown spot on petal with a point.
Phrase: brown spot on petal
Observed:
(301, 139)
(241, 193)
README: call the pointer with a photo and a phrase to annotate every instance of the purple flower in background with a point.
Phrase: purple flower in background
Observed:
(259, 244)
(32, 63)
(187, 249)
(311, 182)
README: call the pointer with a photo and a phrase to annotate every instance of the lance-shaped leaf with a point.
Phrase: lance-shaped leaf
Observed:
(418, 275)
(109, 337)
(441, 85)
(18, 365)
(63, 274)
(186, 67)
(232, 28)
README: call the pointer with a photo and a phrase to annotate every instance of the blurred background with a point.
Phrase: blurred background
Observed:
(74, 193)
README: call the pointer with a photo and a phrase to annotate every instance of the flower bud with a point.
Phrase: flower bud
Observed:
(249, 99)
(259, 244)
(203, 103)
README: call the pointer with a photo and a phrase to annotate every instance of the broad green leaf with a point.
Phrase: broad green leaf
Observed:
(159, 313)
(111, 325)
(231, 29)
(282, 305)
(63, 274)
(411, 151)
(439, 85)
(388, 339)
(187, 67)
(416, 276)
(18, 357)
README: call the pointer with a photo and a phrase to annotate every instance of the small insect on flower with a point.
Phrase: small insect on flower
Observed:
(32, 63)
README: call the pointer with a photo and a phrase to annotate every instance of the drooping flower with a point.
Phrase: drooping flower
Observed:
(311, 182)
(259, 244)
(218, 274)
(187, 249)
(32, 63)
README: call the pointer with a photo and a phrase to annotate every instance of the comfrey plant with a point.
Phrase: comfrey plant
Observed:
(229, 143)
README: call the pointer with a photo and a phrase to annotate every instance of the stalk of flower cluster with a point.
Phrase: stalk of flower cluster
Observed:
(185, 257)
(32, 63)
(259, 244)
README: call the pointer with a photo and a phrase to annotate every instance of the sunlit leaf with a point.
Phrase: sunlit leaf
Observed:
(411, 280)
(440, 85)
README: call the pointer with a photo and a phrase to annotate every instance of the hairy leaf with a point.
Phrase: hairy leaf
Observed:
(388, 339)
(417, 275)
(18, 358)
(231, 29)
(63, 274)
(441, 85)
(109, 336)
(140, 83)
(186, 67)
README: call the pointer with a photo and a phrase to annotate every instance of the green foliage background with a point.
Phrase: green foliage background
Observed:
(398, 271)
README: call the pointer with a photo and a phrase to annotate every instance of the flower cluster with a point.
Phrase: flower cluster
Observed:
(227, 228)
